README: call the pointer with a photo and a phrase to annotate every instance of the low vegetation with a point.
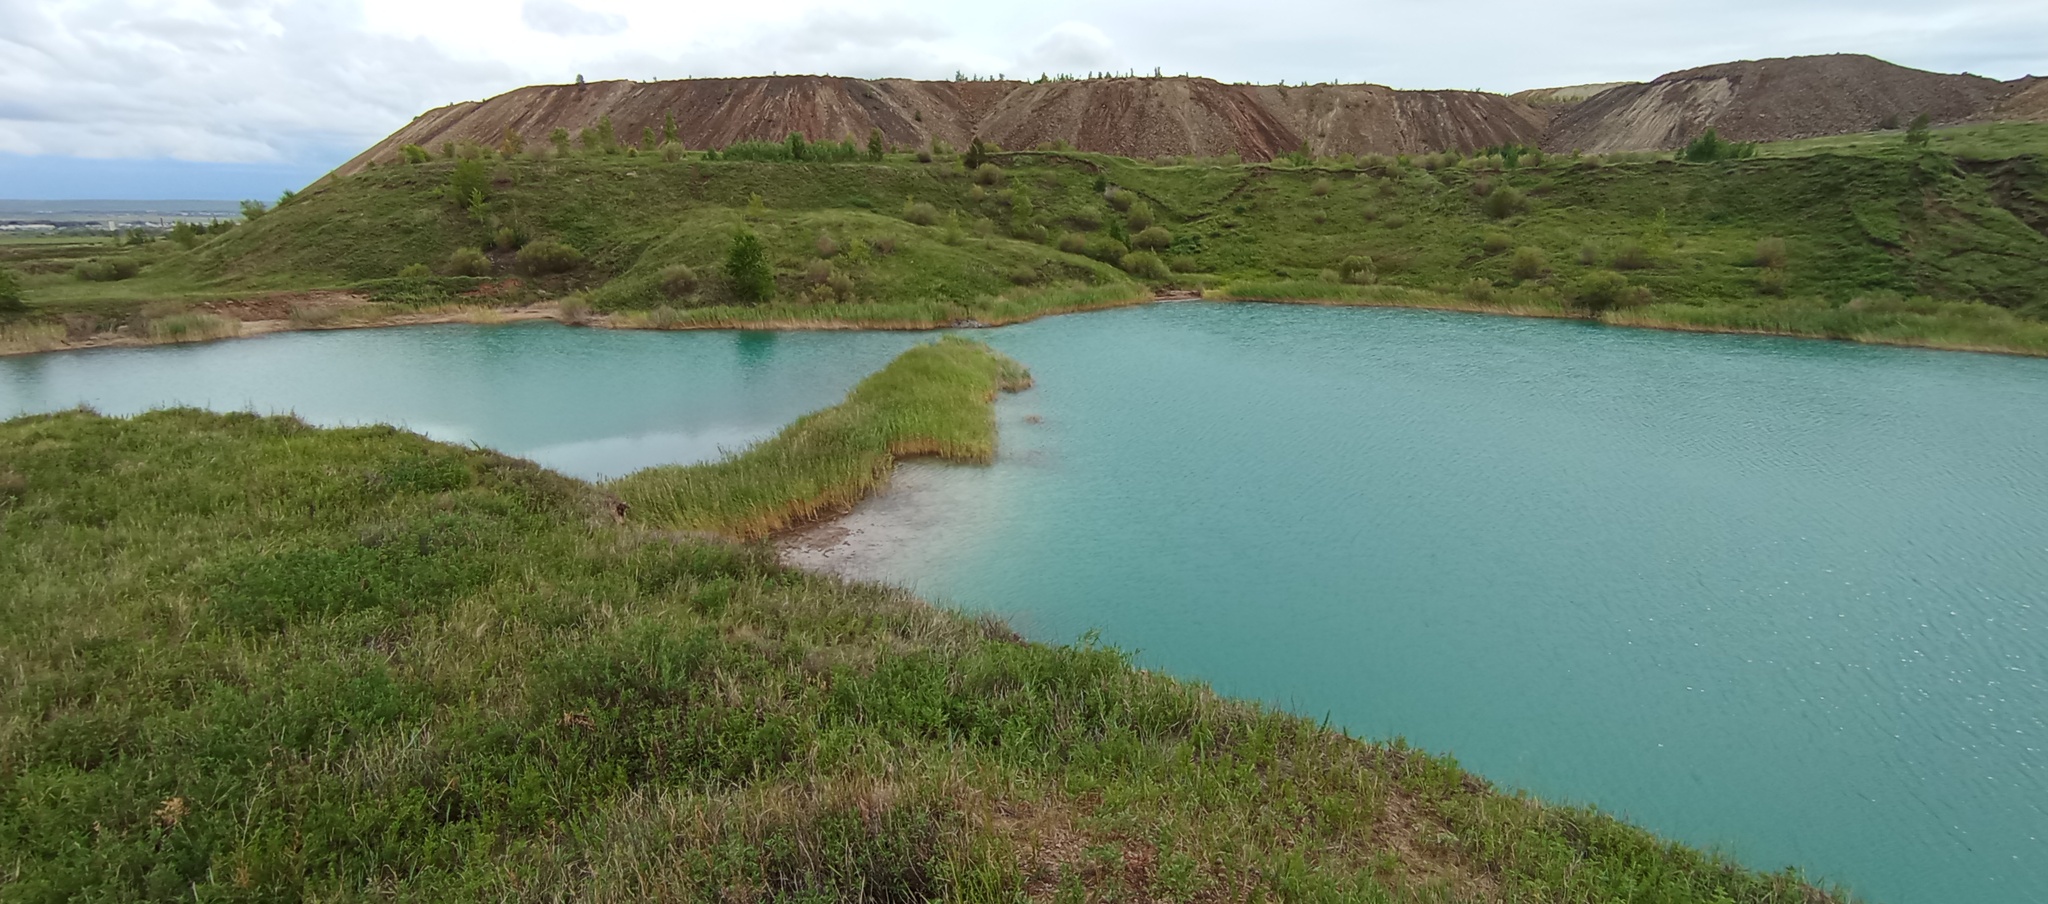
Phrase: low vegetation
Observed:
(1953, 218)
(380, 666)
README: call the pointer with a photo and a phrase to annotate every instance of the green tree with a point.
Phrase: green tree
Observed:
(647, 140)
(668, 128)
(467, 185)
(977, 154)
(746, 268)
(512, 144)
(799, 151)
(1917, 134)
(607, 136)
(875, 145)
(560, 139)
(251, 210)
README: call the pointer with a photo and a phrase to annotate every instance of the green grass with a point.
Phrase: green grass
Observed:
(250, 660)
(1863, 220)
(933, 400)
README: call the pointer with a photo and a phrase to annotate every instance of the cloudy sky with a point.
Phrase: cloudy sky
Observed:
(245, 98)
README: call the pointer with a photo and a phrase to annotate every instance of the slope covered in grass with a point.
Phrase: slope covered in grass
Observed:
(1868, 237)
(250, 660)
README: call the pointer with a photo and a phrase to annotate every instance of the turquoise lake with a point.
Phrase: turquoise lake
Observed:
(1787, 599)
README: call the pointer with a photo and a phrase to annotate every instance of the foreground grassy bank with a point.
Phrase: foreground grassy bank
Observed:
(250, 660)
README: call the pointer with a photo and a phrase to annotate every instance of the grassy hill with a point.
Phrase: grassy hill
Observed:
(250, 660)
(1865, 238)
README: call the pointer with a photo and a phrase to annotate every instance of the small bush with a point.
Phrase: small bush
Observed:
(1505, 202)
(10, 291)
(1770, 281)
(1601, 290)
(414, 154)
(818, 272)
(507, 239)
(1496, 243)
(921, 213)
(1395, 221)
(1185, 264)
(1529, 263)
(1121, 199)
(114, 270)
(468, 262)
(883, 245)
(746, 268)
(1153, 238)
(1106, 249)
(548, 256)
(1024, 276)
(988, 174)
(1589, 254)
(1140, 217)
(1144, 265)
(1633, 256)
(1073, 243)
(677, 281)
(827, 247)
(1770, 253)
(1477, 290)
(1320, 188)
(924, 156)
(574, 309)
(1357, 269)
(414, 271)
(1709, 147)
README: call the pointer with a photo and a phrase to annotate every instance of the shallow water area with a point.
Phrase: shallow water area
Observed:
(1780, 597)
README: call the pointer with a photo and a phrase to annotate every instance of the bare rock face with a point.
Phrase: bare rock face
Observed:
(1151, 117)
(1764, 100)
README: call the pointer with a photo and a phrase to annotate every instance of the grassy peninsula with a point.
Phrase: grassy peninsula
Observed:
(1937, 239)
(252, 660)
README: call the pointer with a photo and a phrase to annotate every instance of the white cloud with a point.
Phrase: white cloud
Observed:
(315, 80)
(561, 17)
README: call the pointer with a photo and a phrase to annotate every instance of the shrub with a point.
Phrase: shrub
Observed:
(677, 280)
(884, 245)
(1633, 256)
(746, 268)
(1152, 238)
(1529, 263)
(1589, 254)
(1140, 217)
(1770, 253)
(548, 256)
(507, 239)
(251, 210)
(921, 213)
(1770, 281)
(414, 154)
(1106, 249)
(414, 271)
(1917, 134)
(1073, 243)
(1144, 265)
(1601, 290)
(924, 156)
(10, 291)
(1505, 202)
(1121, 199)
(1320, 188)
(1394, 221)
(756, 208)
(875, 145)
(1496, 243)
(574, 309)
(1185, 264)
(1478, 290)
(1709, 147)
(841, 286)
(1357, 269)
(988, 174)
(819, 272)
(114, 270)
(827, 247)
(468, 262)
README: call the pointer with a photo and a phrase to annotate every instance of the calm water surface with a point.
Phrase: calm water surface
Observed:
(1788, 599)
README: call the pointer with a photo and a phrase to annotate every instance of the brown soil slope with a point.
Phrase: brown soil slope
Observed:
(1140, 117)
(2028, 104)
(1800, 97)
